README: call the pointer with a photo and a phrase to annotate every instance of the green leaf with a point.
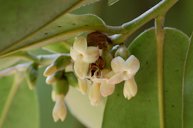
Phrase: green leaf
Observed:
(18, 107)
(62, 29)
(62, 47)
(26, 18)
(188, 88)
(142, 110)
(111, 2)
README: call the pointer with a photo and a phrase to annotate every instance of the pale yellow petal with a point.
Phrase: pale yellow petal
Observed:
(117, 64)
(94, 94)
(74, 54)
(80, 44)
(132, 65)
(106, 89)
(83, 86)
(116, 79)
(130, 88)
(91, 54)
(81, 68)
(59, 111)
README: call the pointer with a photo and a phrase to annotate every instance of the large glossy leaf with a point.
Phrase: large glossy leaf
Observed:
(63, 28)
(142, 110)
(188, 88)
(22, 19)
(18, 107)
(46, 106)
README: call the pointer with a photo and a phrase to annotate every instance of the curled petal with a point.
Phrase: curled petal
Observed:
(83, 86)
(132, 65)
(117, 64)
(91, 55)
(74, 54)
(81, 68)
(130, 88)
(94, 94)
(106, 89)
(80, 44)
(59, 111)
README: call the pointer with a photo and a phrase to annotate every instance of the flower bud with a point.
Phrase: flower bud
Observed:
(72, 80)
(32, 75)
(51, 79)
(123, 52)
(51, 69)
(61, 86)
(60, 63)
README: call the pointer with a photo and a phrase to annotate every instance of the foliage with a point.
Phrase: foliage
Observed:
(79, 53)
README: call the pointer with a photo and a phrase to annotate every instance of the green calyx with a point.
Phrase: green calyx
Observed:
(61, 85)
(32, 75)
(71, 79)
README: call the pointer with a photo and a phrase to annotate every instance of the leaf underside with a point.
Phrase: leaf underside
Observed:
(19, 25)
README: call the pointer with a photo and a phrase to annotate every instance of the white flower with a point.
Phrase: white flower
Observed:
(59, 111)
(125, 71)
(83, 56)
(106, 88)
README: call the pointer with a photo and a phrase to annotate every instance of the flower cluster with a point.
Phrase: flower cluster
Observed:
(95, 77)
(98, 67)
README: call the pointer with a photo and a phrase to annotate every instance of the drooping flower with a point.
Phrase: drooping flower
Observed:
(82, 56)
(125, 71)
(94, 94)
(59, 111)
(106, 88)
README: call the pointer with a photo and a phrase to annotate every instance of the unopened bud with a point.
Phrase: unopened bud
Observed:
(51, 79)
(51, 69)
(72, 80)
(61, 86)
(60, 63)
(123, 52)
(32, 75)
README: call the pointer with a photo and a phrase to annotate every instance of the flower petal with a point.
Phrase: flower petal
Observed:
(80, 44)
(91, 55)
(74, 54)
(132, 65)
(94, 94)
(82, 83)
(130, 88)
(106, 89)
(116, 79)
(117, 64)
(81, 68)
(59, 111)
